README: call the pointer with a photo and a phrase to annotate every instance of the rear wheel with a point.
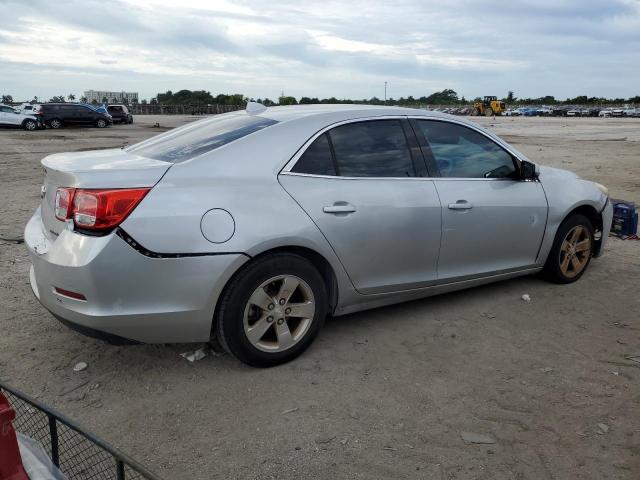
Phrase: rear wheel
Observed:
(272, 310)
(55, 123)
(476, 112)
(571, 251)
(488, 111)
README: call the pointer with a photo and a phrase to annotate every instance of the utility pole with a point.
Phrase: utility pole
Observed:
(385, 93)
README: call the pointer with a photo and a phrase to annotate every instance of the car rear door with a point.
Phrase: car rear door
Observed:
(492, 222)
(363, 184)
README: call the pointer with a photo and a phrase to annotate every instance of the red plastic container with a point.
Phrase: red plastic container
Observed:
(10, 461)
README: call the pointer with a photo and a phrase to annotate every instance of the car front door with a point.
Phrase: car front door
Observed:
(492, 221)
(363, 184)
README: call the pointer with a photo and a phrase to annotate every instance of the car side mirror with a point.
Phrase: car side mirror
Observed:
(528, 170)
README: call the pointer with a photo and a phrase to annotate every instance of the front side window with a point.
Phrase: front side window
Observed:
(461, 152)
(194, 139)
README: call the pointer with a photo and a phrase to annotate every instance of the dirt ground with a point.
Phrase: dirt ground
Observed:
(381, 394)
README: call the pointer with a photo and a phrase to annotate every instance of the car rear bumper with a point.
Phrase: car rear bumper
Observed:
(129, 296)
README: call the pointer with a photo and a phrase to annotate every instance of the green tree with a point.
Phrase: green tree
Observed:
(105, 100)
(285, 100)
(83, 99)
(7, 99)
(445, 97)
(510, 97)
(71, 97)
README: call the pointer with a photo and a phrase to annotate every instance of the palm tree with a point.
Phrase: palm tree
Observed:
(71, 97)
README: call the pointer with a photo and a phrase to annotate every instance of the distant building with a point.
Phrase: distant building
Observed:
(112, 97)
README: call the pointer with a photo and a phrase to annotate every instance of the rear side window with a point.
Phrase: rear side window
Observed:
(197, 138)
(316, 159)
(461, 152)
(376, 148)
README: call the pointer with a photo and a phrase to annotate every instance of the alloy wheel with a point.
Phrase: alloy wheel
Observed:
(279, 313)
(575, 251)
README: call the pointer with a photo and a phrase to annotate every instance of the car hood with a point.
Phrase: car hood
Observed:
(556, 173)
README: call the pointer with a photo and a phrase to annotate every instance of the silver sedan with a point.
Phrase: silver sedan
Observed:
(251, 227)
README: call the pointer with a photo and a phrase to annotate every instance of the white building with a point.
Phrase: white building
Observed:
(112, 97)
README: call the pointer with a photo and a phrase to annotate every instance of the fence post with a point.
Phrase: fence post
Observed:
(53, 431)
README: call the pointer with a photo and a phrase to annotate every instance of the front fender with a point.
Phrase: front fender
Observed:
(565, 194)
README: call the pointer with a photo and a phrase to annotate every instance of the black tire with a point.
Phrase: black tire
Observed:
(101, 123)
(55, 123)
(552, 268)
(229, 319)
(29, 124)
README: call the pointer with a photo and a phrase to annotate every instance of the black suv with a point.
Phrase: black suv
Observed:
(57, 115)
(120, 113)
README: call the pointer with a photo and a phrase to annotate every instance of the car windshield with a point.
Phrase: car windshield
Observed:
(200, 137)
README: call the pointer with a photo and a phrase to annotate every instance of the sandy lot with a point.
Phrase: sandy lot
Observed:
(381, 394)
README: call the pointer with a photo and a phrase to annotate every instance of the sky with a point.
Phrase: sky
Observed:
(346, 49)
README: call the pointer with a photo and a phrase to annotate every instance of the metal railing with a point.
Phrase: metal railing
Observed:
(77, 453)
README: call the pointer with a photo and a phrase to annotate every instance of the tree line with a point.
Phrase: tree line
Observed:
(444, 97)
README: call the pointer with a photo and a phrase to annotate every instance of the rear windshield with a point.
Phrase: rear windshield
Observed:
(200, 137)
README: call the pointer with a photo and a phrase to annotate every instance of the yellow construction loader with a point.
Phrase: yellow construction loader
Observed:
(488, 106)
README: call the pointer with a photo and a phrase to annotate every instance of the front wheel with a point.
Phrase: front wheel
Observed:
(272, 310)
(571, 251)
(101, 123)
(55, 123)
(30, 125)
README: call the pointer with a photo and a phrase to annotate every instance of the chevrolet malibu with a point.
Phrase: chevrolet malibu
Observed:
(251, 227)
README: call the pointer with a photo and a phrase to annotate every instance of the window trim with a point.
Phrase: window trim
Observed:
(286, 170)
(425, 147)
(432, 170)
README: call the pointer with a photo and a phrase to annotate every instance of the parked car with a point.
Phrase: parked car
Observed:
(545, 111)
(56, 115)
(528, 112)
(617, 112)
(605, 113)
(29, 108)
(574, 112)
(10, 117)
(559, 112)
(512, 112)
(120, 114)
(253, 226)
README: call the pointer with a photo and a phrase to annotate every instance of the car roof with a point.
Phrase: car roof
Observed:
(340, 112)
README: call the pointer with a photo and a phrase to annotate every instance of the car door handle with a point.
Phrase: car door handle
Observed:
(460, 205)
(340, 208)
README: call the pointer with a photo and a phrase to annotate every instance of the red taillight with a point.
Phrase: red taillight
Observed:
(98, 210)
